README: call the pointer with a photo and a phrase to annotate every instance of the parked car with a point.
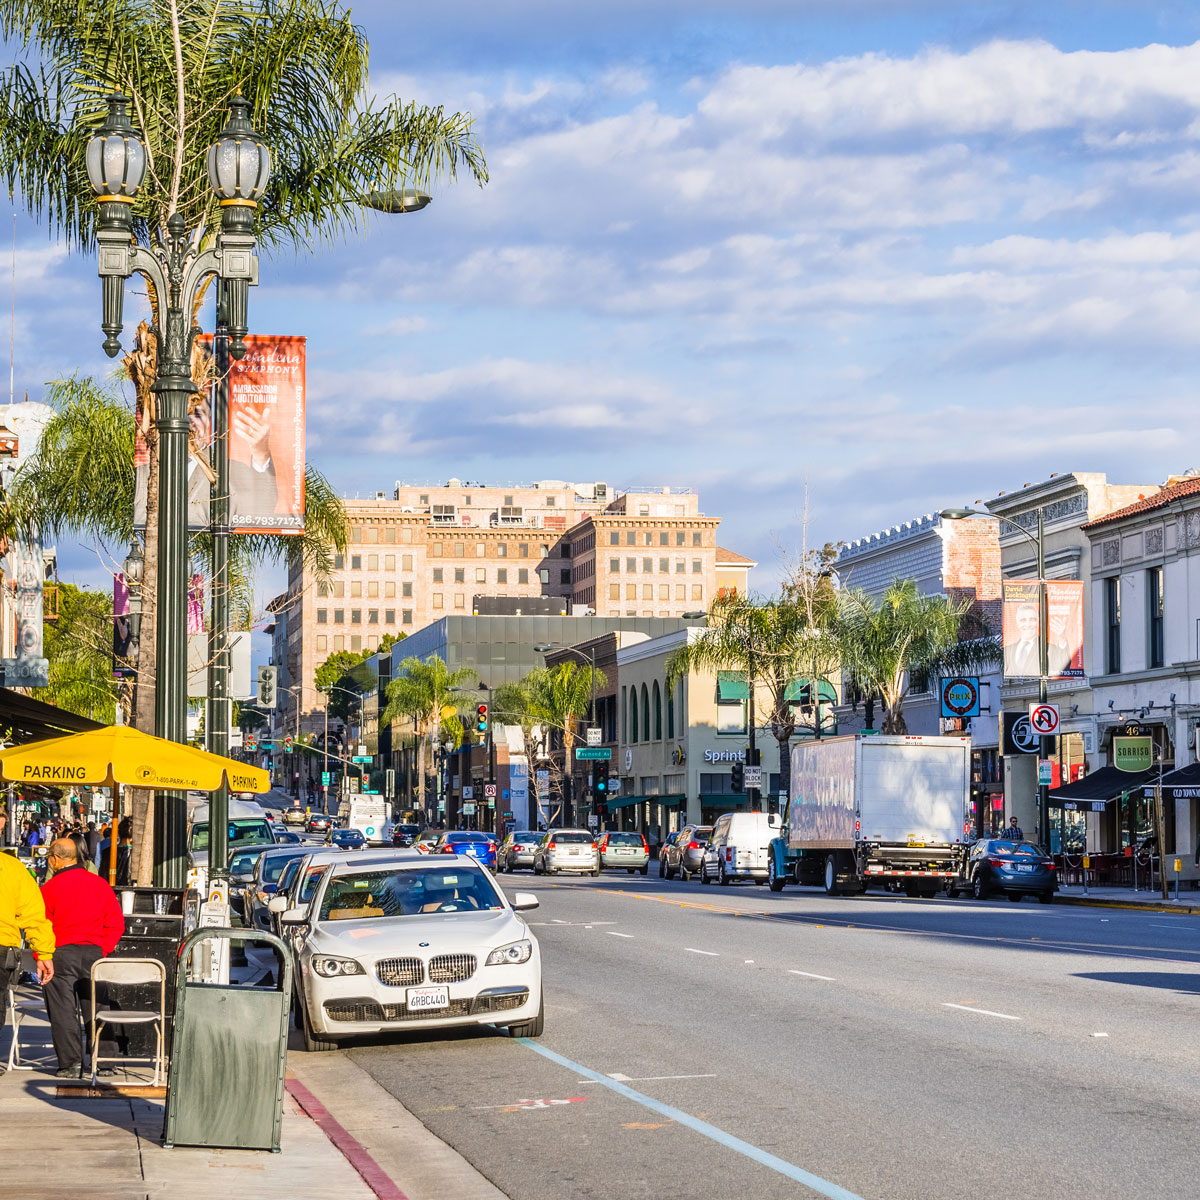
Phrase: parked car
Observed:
(1012, 867)
(268, 871)
(623, 849)
(346, 839)
(739, 847)
(319, 823)
(480, 846)
(405, 835)
(686, 852)
(416, 944)
(241, 871)
(566, 850)
(517, 850)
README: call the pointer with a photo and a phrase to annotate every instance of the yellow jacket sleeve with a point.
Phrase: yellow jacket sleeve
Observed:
(28, 912)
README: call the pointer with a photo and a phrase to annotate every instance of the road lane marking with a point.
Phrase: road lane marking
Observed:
(710, 953)
(987, 1012)
(614, 933)
(810, 975)
(650, 1078)
(1099, 1035)
(823, 1187)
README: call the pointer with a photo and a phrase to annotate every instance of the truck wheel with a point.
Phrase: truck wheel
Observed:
(773, 879)
(979, 889)
(722, 878)
(831, 876)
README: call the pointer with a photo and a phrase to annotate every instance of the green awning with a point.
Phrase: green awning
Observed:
(672, 800)
(732, 686)
(724, 799)
(799, 691)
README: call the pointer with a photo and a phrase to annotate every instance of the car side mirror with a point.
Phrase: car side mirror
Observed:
(294, 916)
(523, 901)
(277, 904)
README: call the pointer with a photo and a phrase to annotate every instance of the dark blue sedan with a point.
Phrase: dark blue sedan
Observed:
(479, 846)
(1013, 867)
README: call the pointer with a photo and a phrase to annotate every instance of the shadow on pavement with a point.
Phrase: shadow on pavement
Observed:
(1182, 985)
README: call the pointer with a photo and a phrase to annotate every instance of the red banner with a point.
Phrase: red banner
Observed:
(1022, 629)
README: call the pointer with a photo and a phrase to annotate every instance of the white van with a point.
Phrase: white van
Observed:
(739, 847)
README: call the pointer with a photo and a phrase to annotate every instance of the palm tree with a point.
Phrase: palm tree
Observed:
(884, 645)
(303, 66)
(781, 645)
(79, 647)
(425, 693)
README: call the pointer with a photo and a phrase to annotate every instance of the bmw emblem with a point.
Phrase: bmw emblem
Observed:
(423, 945)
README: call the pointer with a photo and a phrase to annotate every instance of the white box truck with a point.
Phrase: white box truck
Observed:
(869, 810)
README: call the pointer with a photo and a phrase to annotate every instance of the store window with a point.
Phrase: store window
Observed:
(1154, 601)
(1112, 620)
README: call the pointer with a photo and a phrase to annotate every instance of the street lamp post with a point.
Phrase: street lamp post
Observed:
(1039, 545)
(238, 167)
(589, 656)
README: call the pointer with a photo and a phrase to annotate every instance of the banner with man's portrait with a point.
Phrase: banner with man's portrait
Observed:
(1022, 629)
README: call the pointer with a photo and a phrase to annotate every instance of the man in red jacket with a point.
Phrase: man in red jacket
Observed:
(88, 923)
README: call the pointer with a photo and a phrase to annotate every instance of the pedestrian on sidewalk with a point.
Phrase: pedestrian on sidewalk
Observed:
(1014, 832)
(124, 853)
(94, 838)
(88, 923)
(22, 911)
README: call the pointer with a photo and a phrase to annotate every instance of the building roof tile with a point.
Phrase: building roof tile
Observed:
(1189, 485)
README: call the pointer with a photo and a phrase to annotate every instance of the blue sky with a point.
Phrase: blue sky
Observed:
(898, 255)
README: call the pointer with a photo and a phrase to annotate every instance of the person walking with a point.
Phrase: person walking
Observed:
(94, 838)
(87, 921)
(22, 911)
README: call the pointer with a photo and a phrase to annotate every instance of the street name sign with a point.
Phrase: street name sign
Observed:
(593, 753)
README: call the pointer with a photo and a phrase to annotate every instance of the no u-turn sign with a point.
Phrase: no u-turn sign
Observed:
(1044, 719)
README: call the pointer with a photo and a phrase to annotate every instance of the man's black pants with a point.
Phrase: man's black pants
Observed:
(68, 1000)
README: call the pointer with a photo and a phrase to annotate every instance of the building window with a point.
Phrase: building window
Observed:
(1154, 598)
(664, 591)
(389, 534)
(372, 562)
(663, 538)
(697, 591)
(697, 566)
(389, 616)
(406, 534)
(389, 589)
(406, 590)
(643, 510)
(664, 565)
(437, 550)
(731, 716)
(338, 562)
(322, 642)
(680, 566)
(631, 592)
(681, 591)
(544, 574)
(545, 551)
(502, 575)
(1112, 617)
(549, 501)
(564, 550)
(322, 589)
(356, 533)
(633, 715)
(460, 575)
(406, 616)
(645, 714)
(631, 566)
(614, 566)
(460, 601)
(406, 562)
(647, 565)
(614, 591)
(508, 501)
(339, 616)
(437, 574)
(501, 549)
(614, 538)
(564, 576)
(356, 642)
(356, 587)
(322, 616)
(657, 713)
(339, 643)
(389, 562)
(523, 575)
(522, 549)
(437, 599)
(356, 616)
(647, 591)
(372, 587)
(631, 538)
(696, 539)
(356, 562)
(422, 499)
(480, 549)
(339, 589)
(460, 550)
(670, 714)
(481, 575)
(372, 641)
(372, 616)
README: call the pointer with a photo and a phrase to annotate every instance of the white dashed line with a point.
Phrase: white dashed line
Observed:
(810, 975)
(614, 933)
(710, 953)
(987, 1012)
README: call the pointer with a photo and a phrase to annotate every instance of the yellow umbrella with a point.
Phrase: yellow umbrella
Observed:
(119, 755)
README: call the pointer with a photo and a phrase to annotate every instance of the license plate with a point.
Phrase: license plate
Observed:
(914, 842)
(1024, 867)
(573, 850)
(425, 998)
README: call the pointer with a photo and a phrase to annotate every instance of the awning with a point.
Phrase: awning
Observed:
(1094, 791)
(618, 801)
(1182, 784)
(799, 691)
(724, 799)
(732, 686)
(32, 720)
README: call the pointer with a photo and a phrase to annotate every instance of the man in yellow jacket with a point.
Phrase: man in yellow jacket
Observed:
(22, 911)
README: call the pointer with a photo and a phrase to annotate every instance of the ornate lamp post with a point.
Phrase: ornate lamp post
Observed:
(238, 167)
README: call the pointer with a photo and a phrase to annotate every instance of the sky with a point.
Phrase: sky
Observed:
(832, 263)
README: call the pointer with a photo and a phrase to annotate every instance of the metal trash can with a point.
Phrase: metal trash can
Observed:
(154, 928)
(228, 1054)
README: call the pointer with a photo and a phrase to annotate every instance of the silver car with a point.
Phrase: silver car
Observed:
(566, 850)
(628, 850)
(418, 943)
(517, 850)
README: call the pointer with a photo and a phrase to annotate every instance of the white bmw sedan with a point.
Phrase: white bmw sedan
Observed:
(415, 944)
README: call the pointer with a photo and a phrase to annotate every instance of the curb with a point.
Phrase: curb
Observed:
(1153, 906)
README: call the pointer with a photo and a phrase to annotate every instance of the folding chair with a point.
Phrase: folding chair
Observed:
(129, 971)
(17, 1011)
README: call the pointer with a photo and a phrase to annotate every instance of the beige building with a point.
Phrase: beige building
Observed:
(431, 552)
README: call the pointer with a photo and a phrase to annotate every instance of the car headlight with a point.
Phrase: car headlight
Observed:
(327, 966)
(514, 952)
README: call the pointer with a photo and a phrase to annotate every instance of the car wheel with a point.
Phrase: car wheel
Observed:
(685, 874)
(312, 1043)
(704, 875)
(1015, 897)
(979, 889)
(773, 879)
(722, 878)
(533, 1028)
(1046, 897)
(662, 869)
(596, 871)
(645, 868)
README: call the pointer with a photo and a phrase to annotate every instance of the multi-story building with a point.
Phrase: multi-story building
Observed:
(434, 552)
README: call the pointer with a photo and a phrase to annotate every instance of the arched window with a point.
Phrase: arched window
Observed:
(645, 714)
(633, 721)
(670, 714)
(657, 713)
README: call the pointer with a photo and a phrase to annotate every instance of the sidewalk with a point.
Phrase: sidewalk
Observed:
(1126, 897)
(343, 1136)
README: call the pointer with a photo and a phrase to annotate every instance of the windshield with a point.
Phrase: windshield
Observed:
(348, 835)
(243, 862)
(274, 867)
(250, 832)
(407, 892)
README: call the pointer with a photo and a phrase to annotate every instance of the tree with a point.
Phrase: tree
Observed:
(422, 693)
(302, 64)
(885, 645)
(337, 677)
(78, 645)
(780, 645)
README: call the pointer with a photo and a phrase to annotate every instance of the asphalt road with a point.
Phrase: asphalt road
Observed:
(708, 1040)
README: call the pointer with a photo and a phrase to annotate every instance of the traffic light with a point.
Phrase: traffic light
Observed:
(738, 777)
(600, 780)
(266, 686)
(287, 744)
(481, 718)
